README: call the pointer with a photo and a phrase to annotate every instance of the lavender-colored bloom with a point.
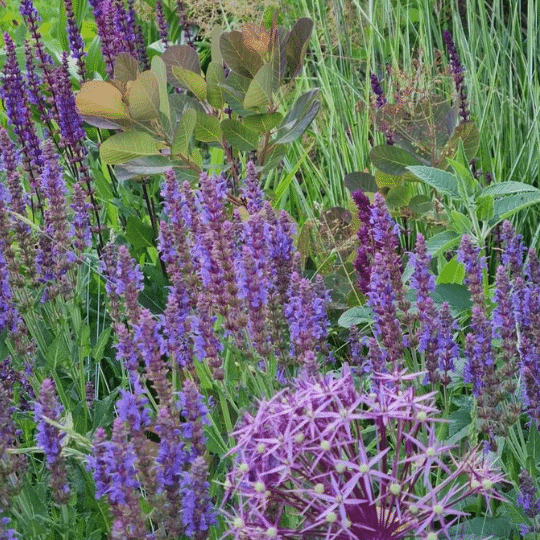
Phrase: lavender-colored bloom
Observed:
(430, 328)
(81, 218)
(9, 315)
(195, 412)
(252, 190)
(197, 510)
(307, 452)
(49, 438)
(305, 312)
(32, 19)
(12, 92)
(71, 126)
(458, 75)
(478, 342)
(529, 498)
(448, 351)
(113, 465)
(513, 249)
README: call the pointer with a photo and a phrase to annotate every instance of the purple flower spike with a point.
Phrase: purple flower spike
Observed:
(457, 73)
(49, 438)
(308, 453)
(377, 90)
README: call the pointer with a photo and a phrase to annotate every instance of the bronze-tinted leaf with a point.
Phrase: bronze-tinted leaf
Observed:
(103, 99)
(238, 56)
(297, 45)
(181, 56)
(126, 68)
(278, 57)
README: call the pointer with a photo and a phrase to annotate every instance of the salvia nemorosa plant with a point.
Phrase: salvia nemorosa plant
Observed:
(499, 342)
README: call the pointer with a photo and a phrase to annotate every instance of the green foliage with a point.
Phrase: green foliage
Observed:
(156, 124)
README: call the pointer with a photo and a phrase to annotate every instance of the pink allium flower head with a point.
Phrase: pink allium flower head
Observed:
(325, 460)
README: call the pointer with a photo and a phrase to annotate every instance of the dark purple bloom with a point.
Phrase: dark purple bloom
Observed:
(377, 90)
(458, 75)
(382, 300)
(163, 26)
(76, 44)
(365, 241)
(448, 351)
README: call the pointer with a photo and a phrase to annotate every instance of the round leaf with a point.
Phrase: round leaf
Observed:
(103, 99)
(125, 146)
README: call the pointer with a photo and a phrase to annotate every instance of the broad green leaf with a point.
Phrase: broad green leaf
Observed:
(298, 118)
(421, 204)
(360, 181)
(237, 56)
(238, 135)
(456, 295)
(139, 234)
(207, 128)
(180, 56)
(263, 123)
(485, 207)
(452, 272)
(507, 206)
(215, 78)
(126, 68)
(441, 181)
(143, 97)
(507, 188)
(297, 45)
(191, 81)
(392, 160)
(259, 93)
(460, 222)
(184, 131)
(399, 196)
(160, 70)
(442, 242)
(126, 146)
(102, 99)
(356, 315)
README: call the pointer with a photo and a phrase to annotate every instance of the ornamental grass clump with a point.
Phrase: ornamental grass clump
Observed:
(326, 460)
